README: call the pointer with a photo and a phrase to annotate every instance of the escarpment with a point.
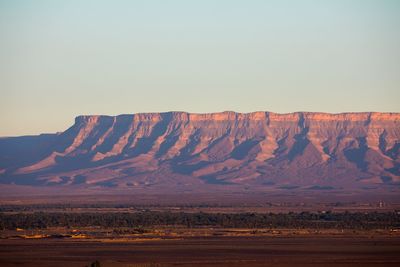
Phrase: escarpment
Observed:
(302, 149)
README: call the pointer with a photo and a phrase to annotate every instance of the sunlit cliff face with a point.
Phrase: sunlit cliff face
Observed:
(348, 150)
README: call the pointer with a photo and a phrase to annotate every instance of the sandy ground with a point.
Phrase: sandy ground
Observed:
(211, 251)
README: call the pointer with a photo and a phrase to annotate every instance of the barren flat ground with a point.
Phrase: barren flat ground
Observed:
(325, 234)
(211, 251)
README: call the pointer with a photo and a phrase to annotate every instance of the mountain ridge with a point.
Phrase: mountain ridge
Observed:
(225, 149)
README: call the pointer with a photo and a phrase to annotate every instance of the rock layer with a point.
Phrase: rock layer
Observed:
(302, 149)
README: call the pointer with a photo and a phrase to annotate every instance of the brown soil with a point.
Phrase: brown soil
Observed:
(211, 251)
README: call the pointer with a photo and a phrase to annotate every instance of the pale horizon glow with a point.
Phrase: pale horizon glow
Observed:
(61, 59)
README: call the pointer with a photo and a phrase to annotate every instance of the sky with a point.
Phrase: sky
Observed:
(60, 59)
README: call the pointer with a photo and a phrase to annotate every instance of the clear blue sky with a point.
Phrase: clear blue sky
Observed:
(60, 59)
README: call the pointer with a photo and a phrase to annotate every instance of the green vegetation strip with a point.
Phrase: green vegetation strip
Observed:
(328, 220)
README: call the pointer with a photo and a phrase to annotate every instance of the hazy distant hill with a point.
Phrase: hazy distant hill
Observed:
(178, 150)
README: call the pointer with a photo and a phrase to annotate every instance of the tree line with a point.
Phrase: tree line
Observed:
(328, 220)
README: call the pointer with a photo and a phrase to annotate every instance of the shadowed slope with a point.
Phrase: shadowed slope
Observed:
(303, 150)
